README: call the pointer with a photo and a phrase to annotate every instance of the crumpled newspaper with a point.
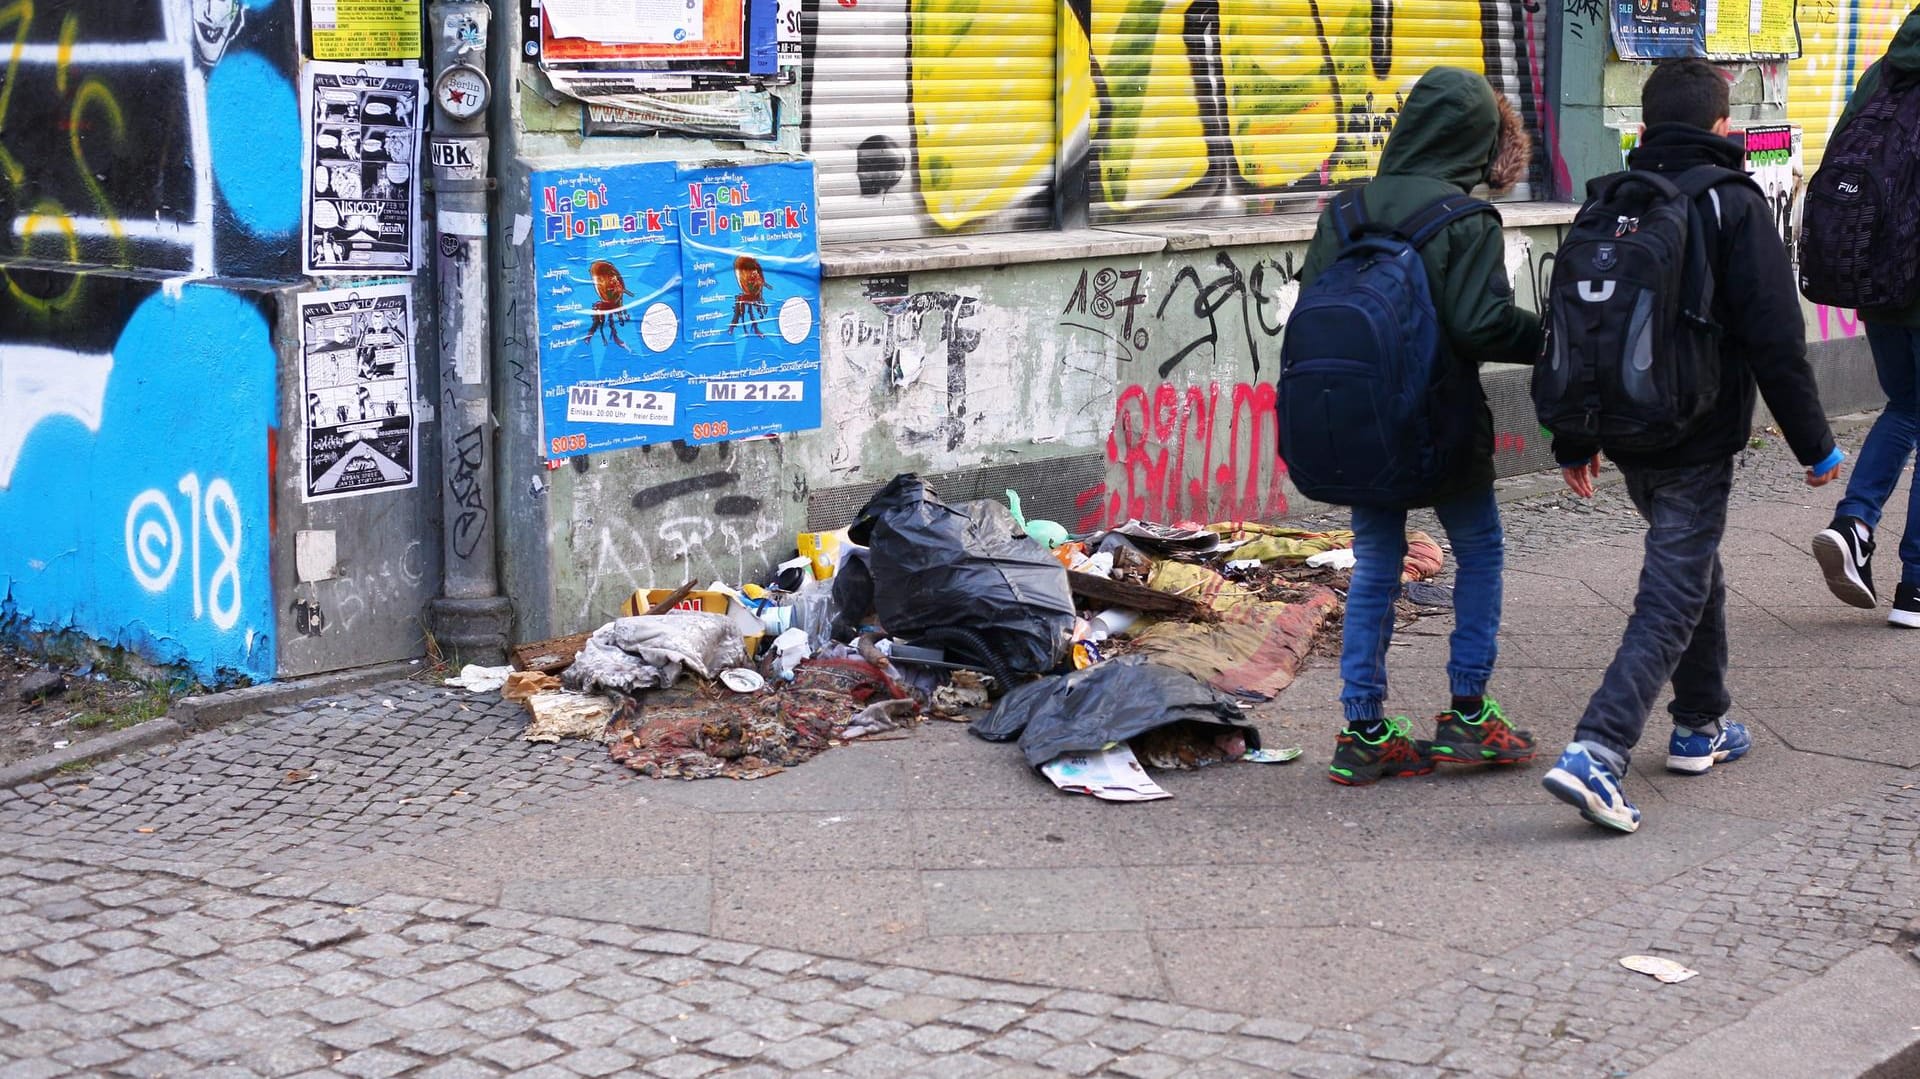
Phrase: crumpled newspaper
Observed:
(646, 651)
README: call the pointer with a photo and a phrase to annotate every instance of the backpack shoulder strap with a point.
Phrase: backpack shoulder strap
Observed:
(1349, 209)
(1427, 222)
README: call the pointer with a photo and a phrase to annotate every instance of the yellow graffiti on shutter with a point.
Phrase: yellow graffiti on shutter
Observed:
(1839, 40)
(1282, 93)
(1150, 141)
(983, 103)
(1304, 95)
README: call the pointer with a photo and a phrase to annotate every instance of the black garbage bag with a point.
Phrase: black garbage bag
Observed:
(938, 567)
(852, 596)
(1109, 702)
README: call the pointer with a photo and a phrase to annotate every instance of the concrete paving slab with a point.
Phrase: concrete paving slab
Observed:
(832, 912)
(1410, 896)
(679, 903)
(849, 777)
(1118, 963)
(1070, 832)
(853, 839)
(972, 902)
(1313, 975)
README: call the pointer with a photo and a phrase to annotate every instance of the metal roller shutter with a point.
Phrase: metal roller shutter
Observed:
(1226, 107)
(1839, 40)
(930, 117)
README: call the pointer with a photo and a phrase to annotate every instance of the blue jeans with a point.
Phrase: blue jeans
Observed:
(1889, 446)
(1678, 629)
(1472, 523)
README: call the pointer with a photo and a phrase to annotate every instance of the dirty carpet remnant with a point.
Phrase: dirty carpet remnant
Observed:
(747, 736)
(1255, 651)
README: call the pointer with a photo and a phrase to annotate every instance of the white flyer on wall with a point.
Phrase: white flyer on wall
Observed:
(357, 371)
(363, 154)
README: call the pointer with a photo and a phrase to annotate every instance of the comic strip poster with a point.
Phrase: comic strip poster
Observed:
(363, 147)
(627, 257)
(357, 371)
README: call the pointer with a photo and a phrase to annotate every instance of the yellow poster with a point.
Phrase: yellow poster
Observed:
(366, 29)
(1774, 33)
(1727, 21)
(1751, 29)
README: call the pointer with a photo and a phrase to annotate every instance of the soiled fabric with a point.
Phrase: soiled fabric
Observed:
(1254, 651)
(1270, 543)
(1111, 702)
(646, 651)
(747, 736)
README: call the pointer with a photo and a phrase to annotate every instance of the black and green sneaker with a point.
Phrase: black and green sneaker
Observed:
(1359, 759)
(1486, 738)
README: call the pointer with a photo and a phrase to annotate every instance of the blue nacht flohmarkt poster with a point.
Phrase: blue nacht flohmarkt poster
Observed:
(676, 304)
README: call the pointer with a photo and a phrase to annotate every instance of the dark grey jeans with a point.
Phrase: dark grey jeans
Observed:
(1678, 630)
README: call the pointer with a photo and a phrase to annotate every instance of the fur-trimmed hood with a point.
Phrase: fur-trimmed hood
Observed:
(1454, 127)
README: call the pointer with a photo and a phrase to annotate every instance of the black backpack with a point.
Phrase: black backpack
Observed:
(1860, 237)
(1631, 359)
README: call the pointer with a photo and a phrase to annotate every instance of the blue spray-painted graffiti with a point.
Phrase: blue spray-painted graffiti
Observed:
(144, 144)
(134, 482)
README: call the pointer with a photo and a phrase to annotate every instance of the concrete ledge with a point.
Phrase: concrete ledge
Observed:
(1857, 1019)
(203, 713)
(153, 732)
(875, 257)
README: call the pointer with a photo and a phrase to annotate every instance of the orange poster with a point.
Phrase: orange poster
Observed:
(723, 37)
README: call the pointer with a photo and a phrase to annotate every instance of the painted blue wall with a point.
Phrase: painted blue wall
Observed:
(135, 479)
(150, 158)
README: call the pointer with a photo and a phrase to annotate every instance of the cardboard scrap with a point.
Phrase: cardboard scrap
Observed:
(567, 715)
(523, 684)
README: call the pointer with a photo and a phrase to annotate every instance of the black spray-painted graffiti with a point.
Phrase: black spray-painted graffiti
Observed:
(1107, 293)
(1247, 305)
(463, 478)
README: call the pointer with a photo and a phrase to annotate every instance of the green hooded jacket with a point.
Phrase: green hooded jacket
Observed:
(1903, 56)
(1444, 143)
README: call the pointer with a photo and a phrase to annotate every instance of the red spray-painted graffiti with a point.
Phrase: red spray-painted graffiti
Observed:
(1190, 453)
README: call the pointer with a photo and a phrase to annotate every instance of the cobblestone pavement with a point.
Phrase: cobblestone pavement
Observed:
(143, 970)
(186, 913)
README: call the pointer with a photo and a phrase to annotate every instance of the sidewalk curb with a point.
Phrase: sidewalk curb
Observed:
(193, 715)
(217, 709)
(153, 732)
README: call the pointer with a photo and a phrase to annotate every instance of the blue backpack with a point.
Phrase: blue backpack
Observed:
(1367, 409)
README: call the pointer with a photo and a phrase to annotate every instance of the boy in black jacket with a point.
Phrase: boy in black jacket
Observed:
(1678, 630)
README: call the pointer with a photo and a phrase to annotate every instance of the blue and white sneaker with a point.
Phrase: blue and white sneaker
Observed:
(1694, 754)
(1584, 782)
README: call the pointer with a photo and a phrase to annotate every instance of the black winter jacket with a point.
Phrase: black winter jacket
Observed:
(1756, 302)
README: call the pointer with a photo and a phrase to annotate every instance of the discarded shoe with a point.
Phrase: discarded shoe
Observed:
(1486, 738)
(1358, 760)
(1585, 782)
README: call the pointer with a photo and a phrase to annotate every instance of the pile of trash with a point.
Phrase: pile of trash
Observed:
(1135, 647)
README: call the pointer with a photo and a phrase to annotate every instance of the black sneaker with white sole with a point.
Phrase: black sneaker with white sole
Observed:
(1906, 606)
(1844, 550)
